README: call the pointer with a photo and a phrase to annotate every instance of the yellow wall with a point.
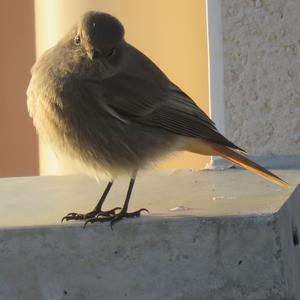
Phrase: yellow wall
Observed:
(170, 32)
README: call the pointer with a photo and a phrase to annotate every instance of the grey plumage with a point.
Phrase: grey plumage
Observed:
(118, 111)
(102, 102)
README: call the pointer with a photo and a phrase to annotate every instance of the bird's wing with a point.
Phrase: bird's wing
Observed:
(167, 107)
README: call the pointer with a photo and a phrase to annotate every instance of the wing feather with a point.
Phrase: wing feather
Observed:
(151, 104)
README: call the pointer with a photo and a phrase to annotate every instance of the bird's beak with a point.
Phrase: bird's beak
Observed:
(94, 54)
(91, 54)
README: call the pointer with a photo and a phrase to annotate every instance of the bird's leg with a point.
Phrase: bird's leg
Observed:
(97, 211)
(123, 213)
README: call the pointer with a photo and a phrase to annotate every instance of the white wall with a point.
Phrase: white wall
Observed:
(261, 42)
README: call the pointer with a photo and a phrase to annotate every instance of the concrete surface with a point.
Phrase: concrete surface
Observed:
(210, 235)
(262, 75)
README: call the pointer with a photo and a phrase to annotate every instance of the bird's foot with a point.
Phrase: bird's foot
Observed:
(92, 214)
(116, 217)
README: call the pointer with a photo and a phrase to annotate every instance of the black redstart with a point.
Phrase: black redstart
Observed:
(104, 104)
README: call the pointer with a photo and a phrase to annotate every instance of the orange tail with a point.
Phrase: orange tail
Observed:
(246, 163)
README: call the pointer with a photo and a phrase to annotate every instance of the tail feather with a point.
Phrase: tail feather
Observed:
(246, 163)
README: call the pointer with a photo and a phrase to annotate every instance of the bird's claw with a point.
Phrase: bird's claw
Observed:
(90, 215)
(115, 218)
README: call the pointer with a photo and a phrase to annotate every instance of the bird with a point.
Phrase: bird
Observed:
(101, 102)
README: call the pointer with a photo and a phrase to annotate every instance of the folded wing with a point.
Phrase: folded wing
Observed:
(164, 106)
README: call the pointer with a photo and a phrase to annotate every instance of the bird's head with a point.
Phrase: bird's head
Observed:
(99, 34)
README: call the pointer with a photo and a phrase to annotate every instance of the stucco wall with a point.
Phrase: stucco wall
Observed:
(262, 75)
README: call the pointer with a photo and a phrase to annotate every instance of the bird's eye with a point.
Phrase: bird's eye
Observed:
(77, 39)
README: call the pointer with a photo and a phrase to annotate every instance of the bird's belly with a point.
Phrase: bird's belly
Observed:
(101, 145)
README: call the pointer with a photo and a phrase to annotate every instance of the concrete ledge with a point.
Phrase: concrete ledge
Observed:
(212, 235)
